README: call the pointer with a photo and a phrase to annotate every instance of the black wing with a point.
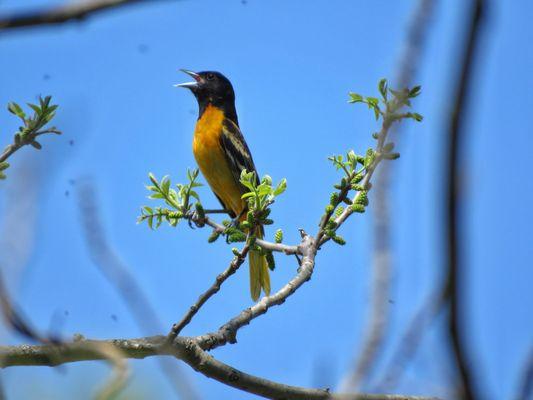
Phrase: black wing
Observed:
(236, 151)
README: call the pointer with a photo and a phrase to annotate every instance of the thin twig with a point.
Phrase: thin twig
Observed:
(411, 339)
(454, 238)
(270, 246)
(78, 10)
(228, 332)
(213, 289)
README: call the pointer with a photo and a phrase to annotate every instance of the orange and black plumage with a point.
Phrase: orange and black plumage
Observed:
(222, 153)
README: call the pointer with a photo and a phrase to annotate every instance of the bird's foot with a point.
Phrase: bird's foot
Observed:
(234, 224)
(194, 218)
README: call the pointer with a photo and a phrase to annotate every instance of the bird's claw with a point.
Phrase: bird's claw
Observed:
(193, 217)
(234, 224)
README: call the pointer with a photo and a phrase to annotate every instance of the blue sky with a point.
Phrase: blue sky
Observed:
(292, 65)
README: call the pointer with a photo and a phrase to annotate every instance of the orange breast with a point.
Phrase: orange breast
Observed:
(211, 159)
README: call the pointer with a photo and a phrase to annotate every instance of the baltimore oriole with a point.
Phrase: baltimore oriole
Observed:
(222, 153)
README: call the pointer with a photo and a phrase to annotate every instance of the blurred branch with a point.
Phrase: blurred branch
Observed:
(367, 356)
(119, 368)
(455, 284)
(525, 390)
(411, 339)
(119, 276)
(78, 10)
(185, 349)
(17, 321)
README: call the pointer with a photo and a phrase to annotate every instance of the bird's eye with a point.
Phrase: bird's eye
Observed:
(210, 77)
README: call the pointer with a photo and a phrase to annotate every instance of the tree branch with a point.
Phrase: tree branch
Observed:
(215, 287)
(78, 10)
(228, 332)
(185, 349)
(455, 282)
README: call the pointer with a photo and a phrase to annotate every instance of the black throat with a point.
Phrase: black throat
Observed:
(227, 105)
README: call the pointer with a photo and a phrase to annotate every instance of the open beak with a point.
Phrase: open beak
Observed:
(190, 85)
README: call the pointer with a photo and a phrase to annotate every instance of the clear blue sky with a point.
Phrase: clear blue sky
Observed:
(292, 65)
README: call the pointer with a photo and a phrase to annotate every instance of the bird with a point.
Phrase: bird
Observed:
(222, 154)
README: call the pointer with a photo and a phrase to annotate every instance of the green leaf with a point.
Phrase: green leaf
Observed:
(35, 108)
(214, 236)
(357, 178)
(391, 156)
(267, 180)
(388, 147)
(372, 102)
(14, 108)
(165, 184)
(355, 98)
(362, 198)
(247, 195)
(282, 186)
(338, 239)
(4, 165)
(278, 236)
(148, 210)
(417, 117)
(36, 144)
(358, 208)
(153, 179)
(415, 91)
(270, 260)
(382, 86)
(369, 158)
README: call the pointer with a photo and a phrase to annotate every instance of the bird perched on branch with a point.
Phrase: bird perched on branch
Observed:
(222, 153)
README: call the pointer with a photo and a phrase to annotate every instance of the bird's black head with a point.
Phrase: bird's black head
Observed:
(212, 88)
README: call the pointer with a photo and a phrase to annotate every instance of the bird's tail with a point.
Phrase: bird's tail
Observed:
(259, 273)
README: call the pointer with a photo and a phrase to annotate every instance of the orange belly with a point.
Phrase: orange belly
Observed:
(212, 161)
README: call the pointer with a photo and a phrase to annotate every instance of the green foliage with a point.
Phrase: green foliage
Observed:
(271, 262)
(278, 236)
(32, 126)
(260, 196)
(214, 236)
(3, 166)
(178, 201)
(356, 166)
